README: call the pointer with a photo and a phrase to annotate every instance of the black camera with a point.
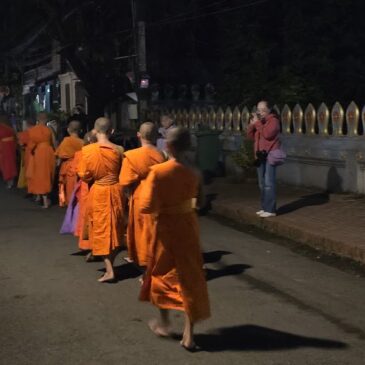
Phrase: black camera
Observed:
(261, 157)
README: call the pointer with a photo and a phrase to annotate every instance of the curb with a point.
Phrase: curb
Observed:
(283, 229)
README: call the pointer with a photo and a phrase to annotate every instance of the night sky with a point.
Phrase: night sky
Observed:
(290, 51)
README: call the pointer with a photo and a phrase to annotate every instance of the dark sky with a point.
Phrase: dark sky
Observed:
(289, 49)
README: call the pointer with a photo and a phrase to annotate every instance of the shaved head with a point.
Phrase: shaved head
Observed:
(148, 132)
(74, 126)
(178, 139)
(103, 125)
(90, 137)
(30, 121)
(42, 117)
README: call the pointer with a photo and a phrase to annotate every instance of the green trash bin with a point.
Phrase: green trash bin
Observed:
(208, 150)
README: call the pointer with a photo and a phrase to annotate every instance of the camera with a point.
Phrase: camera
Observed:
(261, 157)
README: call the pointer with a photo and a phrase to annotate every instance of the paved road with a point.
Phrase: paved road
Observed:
(270, 305)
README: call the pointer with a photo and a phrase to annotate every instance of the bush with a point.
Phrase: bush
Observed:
(245, 157)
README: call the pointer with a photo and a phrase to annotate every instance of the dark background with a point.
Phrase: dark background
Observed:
(285, 50)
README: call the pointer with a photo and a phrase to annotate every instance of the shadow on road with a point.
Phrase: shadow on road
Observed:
(256, 338)
(79, 253)
(237, 269)
(214, 256)
(126, 271)
(304, 201)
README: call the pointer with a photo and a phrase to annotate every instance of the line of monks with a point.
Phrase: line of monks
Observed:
(98, 181)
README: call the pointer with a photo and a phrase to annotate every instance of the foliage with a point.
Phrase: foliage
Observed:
(59, 115)
(291, 51)
(244, 157)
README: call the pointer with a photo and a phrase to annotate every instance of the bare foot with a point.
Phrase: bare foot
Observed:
(159, 329)
(107, 277)
(46, 204)
(141, 280)
(188, 344)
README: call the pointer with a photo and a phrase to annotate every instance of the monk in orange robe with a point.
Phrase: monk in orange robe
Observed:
(65, 152)
(100, 165)
(174, 278)
(41, 166)
(23, 141)
(8, 169)
(82, 196)
(135, 168)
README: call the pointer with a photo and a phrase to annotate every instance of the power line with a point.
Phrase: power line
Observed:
(201, 8)
(176, 18)
(170, 20)
(226, 10)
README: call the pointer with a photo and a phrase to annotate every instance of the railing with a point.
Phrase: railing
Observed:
(322, 121)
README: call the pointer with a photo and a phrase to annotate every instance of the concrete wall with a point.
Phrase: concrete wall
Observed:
(333, 163)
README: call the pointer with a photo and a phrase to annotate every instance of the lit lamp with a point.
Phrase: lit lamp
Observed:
(145, 81)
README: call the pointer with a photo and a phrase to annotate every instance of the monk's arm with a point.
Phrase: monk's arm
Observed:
(148, 200)
(128, 179)
(83, 171)
(32, 146)
(59, 152)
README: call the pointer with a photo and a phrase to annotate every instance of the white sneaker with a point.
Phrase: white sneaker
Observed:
(260, 212)
(267, 215)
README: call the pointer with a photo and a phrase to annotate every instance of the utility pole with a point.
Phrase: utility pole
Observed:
(139, 63)
(142, 68)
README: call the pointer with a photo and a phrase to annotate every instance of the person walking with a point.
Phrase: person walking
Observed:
(175, 277)
(100, 165)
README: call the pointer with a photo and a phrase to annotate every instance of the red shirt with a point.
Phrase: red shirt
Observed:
(265, 133)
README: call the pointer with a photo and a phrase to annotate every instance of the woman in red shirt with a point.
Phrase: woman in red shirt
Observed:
(264, 129)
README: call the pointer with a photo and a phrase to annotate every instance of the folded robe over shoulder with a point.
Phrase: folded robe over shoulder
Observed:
(41, 166)
(174, 277)
(101, 165)
(8, 168)
(136, 166)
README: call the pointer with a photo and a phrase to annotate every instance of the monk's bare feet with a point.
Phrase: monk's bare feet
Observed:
(107, 278)
(46, 203)
(188, 344)
(158, 329)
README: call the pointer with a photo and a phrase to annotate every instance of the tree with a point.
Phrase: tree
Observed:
(91, 37)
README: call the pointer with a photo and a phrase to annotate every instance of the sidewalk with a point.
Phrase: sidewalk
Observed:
(334, 223)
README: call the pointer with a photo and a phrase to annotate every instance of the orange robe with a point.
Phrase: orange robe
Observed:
(23, 141)
(8, 169)
(41, 165)
(174, 277)
(82, 195)
(101, 165)
(134, 171)
(67, 176)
